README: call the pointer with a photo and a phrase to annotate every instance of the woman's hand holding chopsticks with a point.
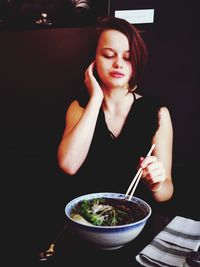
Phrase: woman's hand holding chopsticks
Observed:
(136, 179)
(153, 173)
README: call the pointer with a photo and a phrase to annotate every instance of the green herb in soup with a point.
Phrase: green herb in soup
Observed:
(108, 211)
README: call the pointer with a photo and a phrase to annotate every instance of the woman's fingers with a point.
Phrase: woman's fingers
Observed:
(153, 171)
(90, 81)
(89, 72)
(148, 160)
(91, 68)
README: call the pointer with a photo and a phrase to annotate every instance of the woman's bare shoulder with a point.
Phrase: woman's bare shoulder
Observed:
(165, 122)
(164, 114)
(75, 106)
(74, 111)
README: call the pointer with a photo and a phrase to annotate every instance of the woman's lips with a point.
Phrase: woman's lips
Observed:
(116, 74)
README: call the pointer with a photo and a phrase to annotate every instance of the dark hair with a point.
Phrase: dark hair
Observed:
(138, 49)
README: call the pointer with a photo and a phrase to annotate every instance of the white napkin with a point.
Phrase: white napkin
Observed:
(171, 246)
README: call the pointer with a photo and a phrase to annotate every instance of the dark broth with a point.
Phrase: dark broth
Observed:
(125, 211)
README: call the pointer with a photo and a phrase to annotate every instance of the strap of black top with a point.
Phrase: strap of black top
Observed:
(134, 96)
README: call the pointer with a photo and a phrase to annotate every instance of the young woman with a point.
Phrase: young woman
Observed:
(107, 138)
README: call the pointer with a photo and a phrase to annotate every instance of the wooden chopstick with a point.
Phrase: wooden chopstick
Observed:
(137, 177)
(134, 183)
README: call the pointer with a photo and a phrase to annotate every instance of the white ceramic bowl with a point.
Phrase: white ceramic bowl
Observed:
(108, 237)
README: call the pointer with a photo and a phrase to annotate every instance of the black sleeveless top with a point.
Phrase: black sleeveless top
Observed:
(112, 162)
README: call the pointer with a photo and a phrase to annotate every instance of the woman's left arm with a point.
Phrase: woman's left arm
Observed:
(157, 169)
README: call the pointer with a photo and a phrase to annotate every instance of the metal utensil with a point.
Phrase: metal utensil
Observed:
(50, 252)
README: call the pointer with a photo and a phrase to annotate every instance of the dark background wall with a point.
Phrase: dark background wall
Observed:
(40, 72)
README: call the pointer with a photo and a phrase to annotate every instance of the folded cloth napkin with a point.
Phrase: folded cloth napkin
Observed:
(171, 246)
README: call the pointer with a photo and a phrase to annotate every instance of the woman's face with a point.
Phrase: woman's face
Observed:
(113, 59)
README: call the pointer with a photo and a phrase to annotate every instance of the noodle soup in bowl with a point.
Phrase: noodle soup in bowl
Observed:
(107, 220)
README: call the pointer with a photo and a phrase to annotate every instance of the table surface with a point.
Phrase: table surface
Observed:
(72, 251)
(26, 232)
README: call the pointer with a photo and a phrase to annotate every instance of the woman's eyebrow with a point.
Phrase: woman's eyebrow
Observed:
(108, 48)
(113, 50)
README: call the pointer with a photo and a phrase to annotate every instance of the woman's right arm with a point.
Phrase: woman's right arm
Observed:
(80, 126)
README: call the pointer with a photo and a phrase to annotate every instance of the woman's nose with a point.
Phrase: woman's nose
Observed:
(117, 62)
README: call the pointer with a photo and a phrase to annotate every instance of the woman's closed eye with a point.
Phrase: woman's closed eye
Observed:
(126, 58)
(110, 55)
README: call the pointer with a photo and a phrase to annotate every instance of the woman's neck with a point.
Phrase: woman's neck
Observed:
(117, 101)
(114, 95)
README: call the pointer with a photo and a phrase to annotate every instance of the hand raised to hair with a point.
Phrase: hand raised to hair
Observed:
(153, 172)
(91, 82)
